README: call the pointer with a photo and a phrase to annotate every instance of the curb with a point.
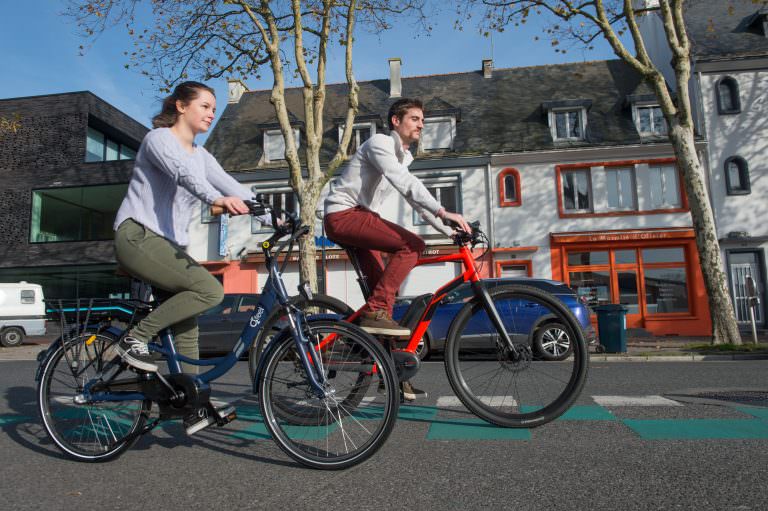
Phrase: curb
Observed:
(676, 358)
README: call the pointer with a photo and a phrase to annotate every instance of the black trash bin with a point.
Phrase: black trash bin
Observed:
(612, 327)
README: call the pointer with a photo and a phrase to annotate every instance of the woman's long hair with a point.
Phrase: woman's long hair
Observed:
(184, 92)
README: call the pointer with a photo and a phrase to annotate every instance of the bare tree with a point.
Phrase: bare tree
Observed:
(582, 22)
(241, 38)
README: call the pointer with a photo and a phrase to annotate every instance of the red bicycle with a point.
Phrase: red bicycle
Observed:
(491, 358)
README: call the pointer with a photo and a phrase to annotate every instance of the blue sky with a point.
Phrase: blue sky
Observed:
(41, 56)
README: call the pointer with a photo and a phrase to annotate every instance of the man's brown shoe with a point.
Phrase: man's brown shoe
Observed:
(379, 322)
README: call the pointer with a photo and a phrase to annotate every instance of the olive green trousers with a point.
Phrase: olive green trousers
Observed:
(167, 267)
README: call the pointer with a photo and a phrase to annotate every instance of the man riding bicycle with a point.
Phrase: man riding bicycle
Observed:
(378, 168)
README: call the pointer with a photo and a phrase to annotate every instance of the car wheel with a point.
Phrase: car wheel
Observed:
(422, 350)
(12, 336)
(553, 342)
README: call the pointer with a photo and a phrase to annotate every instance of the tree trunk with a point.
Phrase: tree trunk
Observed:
(307, 263)
(724, 327)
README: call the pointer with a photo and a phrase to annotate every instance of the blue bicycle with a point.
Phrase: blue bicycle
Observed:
(328, 391)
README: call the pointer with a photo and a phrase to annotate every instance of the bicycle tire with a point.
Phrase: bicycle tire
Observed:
(118, 420)
(326, 445)
(325, 302)
(521, 411)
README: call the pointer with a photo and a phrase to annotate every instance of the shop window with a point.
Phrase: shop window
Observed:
(625, 256)
(99, 147)
(737, 176)
(63, 282)
(282, 198)
(447, 191)
(663, 255)
(274, 144)
(727, 91)
(587, 258)
(628, 293)
(594, 286)
(664, 187)
(666, 290)
(75, 213)
(509, 188)
(577, 190)
(620, 187)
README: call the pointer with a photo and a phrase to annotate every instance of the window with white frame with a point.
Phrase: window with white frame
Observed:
(664, 187)
(649, 120)
(360, 133)
(447, 191)
(577, 190)
(274, 144)
(278, 197)
(620, 187)
(567, 124)
(438, 133)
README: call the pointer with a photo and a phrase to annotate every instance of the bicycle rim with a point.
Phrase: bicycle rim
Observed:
(526, 389)
(355, 419)
(90, 432)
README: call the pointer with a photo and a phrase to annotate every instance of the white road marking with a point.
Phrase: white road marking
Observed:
(455, 402)
(634, 401)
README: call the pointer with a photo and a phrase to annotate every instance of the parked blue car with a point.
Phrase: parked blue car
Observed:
(548, 338)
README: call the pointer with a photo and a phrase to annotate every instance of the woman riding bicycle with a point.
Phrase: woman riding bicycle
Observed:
(378, 168)
(170, 175)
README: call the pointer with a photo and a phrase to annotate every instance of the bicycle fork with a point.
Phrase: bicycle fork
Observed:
(308, 354)
(485, 298)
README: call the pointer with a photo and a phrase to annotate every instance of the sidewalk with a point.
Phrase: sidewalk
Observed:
(639, 349)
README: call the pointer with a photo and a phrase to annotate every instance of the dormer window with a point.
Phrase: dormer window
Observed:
(649, 120)
(360, 133)
(567, 119)
(438, 133)
(274, 144)
(727, 91)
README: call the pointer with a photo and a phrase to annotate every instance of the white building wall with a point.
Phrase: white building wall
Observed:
(744, 134)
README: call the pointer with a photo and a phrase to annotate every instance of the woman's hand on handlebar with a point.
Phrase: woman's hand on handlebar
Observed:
(232, 205)
(456, 219)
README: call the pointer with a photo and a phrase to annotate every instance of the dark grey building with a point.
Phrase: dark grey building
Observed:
(65, 162)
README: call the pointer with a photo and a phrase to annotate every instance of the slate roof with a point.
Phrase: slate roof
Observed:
(725, 29)
(498, 114)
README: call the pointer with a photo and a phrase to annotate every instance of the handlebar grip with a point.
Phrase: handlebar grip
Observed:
(217, 210)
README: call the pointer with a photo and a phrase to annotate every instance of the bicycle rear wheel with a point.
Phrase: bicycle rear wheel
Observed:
(519, 391)
(337, 431)
(97, 431)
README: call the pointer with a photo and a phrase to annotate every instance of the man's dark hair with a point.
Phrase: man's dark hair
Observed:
(400, 107)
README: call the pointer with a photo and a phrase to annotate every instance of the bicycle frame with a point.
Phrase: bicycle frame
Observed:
(470, 274)
(274, 292)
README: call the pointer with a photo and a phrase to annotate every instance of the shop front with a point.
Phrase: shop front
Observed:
(655, 273)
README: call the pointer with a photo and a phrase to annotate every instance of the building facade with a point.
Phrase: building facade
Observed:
(730, 68)
(65, 170)
(567, 167)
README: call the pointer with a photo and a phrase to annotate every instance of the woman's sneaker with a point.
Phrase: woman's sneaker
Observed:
(135, 352)
(411, 393)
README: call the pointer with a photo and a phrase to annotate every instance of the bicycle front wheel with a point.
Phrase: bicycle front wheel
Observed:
(96, 431)
(524, 387)
(337, 431)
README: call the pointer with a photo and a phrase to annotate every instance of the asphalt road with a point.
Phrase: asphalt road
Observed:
(634, 451)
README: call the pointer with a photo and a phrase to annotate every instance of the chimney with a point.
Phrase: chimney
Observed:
(487, 68)
(236, 90)
(395, 86)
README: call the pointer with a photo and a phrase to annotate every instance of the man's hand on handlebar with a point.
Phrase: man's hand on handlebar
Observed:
(233, 205)
(456, 219)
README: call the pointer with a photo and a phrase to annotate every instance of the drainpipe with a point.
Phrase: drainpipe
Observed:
(489, 207)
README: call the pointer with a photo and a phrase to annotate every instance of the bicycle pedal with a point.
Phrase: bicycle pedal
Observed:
(223, 413)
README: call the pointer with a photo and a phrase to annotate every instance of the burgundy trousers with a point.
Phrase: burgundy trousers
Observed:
(365, 230)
